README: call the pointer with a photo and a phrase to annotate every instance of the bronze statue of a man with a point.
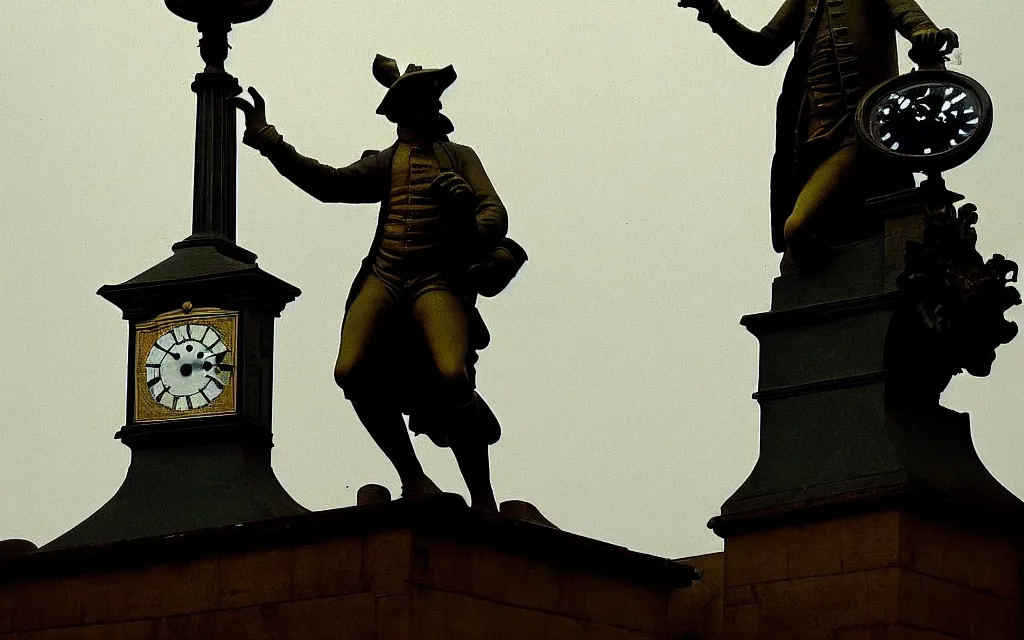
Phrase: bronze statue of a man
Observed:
(411, 329)
(843, 49)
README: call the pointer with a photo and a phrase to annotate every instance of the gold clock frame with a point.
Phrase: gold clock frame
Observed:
(146, 334)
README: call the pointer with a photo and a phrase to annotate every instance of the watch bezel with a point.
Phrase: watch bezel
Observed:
(931, 163)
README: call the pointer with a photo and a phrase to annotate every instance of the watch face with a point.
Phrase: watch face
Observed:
(185, 368)
(184, 365)
(930, 120)
(926, 118)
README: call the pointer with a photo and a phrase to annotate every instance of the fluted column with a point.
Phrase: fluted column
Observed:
(213, 195)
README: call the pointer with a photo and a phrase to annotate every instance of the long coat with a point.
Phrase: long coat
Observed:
(864, 35)
(400, 363)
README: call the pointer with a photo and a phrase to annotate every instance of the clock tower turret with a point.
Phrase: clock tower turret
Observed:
(200, 347)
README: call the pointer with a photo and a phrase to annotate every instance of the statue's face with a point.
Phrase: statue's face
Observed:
(418, 110)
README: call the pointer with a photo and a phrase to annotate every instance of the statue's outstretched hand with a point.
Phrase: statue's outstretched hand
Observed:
(699, 5)
(453, 187)
(930, 46)
(255, 113)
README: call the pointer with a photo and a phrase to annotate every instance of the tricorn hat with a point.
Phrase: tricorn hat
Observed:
(415, 79)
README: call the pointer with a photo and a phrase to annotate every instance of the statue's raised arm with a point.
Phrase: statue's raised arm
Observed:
(843, 48)
(361, 181)
(756, 47)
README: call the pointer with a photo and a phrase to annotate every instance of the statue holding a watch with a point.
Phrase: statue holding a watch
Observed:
(844, 48)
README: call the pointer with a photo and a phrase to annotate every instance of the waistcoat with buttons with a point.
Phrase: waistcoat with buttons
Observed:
(412, 240)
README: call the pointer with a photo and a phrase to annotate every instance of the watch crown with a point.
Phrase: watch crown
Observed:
(186, 307)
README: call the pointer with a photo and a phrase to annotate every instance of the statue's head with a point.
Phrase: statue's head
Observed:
(414, 97)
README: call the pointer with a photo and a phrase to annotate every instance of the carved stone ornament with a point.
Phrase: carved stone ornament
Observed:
(957, 296)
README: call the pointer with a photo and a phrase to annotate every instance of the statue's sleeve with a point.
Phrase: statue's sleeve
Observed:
(908, 17)
(756, 47)
(491, 217)
(365, 180)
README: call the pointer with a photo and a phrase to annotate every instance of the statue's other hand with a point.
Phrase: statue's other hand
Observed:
(490, 276)
(931, 45)
(451, 185)
(255, 113)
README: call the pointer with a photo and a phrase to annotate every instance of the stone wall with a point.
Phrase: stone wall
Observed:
(885, 575)
(387, 572)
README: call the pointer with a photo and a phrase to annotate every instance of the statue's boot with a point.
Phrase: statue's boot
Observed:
(421, 487)
(387, 428)
(470, 449)
(523, 510)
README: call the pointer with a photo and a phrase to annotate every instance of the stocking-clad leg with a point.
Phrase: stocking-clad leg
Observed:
(385, 424)
(445, 324)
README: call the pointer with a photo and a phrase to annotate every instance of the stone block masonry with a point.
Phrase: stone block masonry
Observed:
(424, 570)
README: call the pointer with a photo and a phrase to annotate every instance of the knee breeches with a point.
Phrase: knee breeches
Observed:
(440, 315)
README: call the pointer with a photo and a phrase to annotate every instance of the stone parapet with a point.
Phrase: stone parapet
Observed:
(421, 569)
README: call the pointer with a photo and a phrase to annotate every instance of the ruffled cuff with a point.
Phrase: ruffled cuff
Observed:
(263, 139)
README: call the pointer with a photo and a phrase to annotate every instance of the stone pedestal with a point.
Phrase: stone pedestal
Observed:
(891, 574)
(868, 513)
(424, 570)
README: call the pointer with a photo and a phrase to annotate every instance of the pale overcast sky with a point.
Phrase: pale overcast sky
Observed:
(631, 148)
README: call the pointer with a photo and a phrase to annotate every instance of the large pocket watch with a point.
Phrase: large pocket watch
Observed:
(928, 120)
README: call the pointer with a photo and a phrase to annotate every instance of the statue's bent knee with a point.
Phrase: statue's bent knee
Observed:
(452, 371)
(347, 378)
(340, 376)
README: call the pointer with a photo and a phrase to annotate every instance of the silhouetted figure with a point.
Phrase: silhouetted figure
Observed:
(411, 328)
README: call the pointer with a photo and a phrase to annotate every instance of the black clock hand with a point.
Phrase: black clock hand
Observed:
(167, 351)
(218, 357)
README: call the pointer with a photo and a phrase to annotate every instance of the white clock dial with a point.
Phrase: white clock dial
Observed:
(185, 368)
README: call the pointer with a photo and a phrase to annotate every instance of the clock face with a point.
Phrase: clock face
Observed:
(184, 365)
(926, 118)
(930, 120)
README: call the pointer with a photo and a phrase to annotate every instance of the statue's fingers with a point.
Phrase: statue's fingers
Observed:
(451, 178)
(443, 180)
(257, 99)
(240, 104)
(951, 38)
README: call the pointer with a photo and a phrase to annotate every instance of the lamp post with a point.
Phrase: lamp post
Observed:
(213, 195)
